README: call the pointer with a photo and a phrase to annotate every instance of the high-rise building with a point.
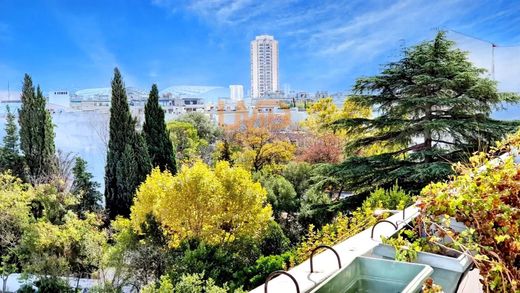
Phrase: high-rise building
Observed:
(236, 92)
(264, 66)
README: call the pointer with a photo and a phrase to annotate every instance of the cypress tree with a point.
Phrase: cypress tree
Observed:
(160, 147)
(36, 133)
(434, 109)
(127, 162)
(84, 187)
(10, 158)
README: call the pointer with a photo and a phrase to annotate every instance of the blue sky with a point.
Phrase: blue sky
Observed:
(324, 45)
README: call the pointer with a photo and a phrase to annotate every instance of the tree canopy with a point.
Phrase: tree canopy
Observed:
(215, 206)
(433, 109)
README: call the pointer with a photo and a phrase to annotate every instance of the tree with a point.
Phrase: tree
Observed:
(10, 158)
(186, 140)
(324, 112)
(73, 248)
(280, 194)
(128, 162)
(36, 133)
(206, 129)
(159, 145)
(215, 206)
(15, 218)
(434, 105)
(324, 148)
(85, 188)
(298, 174)
(263, 142)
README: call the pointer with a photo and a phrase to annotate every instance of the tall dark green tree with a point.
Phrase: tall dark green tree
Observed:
(433, 109)
(128, 162)
(10, 158)
(36, 133)
(160, 147)
(84, 187)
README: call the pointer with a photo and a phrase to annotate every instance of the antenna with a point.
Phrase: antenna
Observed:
(8, 92)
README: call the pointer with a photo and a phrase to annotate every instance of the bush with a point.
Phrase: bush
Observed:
(274, 240)
(52, 285)
(194, 283)
(266, 265)
(222, 263)
(393, 198)
(485, 196)
(280, 194)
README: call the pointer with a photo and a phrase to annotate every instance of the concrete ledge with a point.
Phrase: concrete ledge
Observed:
(325, 263)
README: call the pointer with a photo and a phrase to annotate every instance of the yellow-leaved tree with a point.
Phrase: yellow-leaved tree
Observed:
(214, 205)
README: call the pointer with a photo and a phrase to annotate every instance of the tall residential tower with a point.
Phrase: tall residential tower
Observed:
(264, 66)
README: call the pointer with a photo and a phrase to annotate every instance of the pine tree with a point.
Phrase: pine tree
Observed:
(128, 162)
(160, 147)
(10, 158)
(36, 133)
(85, 188)
(433, 109)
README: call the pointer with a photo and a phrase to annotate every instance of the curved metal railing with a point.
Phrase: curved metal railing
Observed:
(379, 222)
(280, 272)
(328, 247)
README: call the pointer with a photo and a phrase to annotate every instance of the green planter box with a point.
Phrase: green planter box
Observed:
(367, 274)
(447, 271)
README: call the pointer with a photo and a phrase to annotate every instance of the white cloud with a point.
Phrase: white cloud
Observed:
(337, 37)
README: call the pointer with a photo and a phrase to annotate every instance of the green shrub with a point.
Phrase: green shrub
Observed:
(274, 240)
(52, 285)
(266, 265)
(393, 198)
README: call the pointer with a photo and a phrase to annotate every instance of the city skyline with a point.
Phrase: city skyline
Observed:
(322, 47)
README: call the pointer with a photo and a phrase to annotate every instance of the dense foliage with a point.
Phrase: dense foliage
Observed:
(212, 205)
(484, 196)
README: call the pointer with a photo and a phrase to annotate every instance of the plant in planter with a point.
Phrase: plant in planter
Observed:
(485, 197)
(475, 215)
(415, 243)
(488, 203)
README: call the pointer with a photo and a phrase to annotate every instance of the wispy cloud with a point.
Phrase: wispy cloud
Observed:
(343, 36)
(84, 31)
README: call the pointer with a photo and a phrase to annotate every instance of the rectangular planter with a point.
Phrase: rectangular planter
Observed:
(367, 274)
(447, 270)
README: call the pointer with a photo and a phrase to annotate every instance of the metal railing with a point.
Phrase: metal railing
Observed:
(379, 222)
(328, 247)
(280, 272)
